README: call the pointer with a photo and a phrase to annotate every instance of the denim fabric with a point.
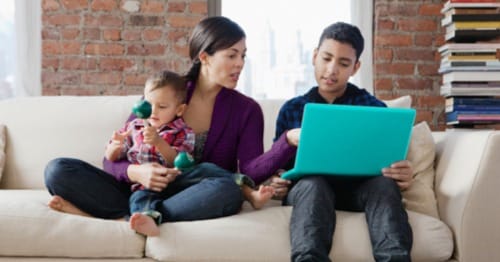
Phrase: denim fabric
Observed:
(204, 192)
(89, 188)
(314, 200)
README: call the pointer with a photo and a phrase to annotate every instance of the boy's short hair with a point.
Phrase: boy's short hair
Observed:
(168, 79)
(344, 33)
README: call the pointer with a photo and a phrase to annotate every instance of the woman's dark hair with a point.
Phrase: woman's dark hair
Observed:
(344, 33)
(211, 35)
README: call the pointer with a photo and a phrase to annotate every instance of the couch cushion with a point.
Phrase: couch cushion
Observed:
(2, 149)
(66, 126)
(420, 196)
(263, 235)
(402, 101)
(30, 228)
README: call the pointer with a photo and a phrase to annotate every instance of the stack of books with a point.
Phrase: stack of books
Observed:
(469, 111)
(470, 62)
(466, 20)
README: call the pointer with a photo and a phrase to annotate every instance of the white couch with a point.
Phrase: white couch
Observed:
(39, 129)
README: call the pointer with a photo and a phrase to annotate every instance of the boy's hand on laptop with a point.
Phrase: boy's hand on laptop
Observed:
(293, 136)
(400, 171)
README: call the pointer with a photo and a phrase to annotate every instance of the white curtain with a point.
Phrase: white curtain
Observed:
(362, 16)
(27, 80)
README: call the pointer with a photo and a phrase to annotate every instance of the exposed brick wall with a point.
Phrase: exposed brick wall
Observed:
(407, 34)
(109, 47)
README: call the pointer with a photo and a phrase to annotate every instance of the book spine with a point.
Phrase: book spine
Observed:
(472, 101)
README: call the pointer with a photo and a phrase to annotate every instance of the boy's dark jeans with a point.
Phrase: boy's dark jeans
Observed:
(314, 200)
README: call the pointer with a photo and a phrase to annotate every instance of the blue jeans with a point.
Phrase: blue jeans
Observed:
(99, 194)
(314, 200)
(210, 185)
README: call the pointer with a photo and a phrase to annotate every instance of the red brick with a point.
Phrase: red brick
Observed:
(75, 4)
(101, 78)
(146, 49)
(428, 69)
(103, 5)
(431, 101)
(131, 35)
(104, 49)
(153, 6)
(430, 9)
(384, 84)
(116, 64)
(50, 48)
(72, 63)
(198, 7)
(62, 20)
(399, 8)
(60, 78)
(91, 34)
(383, 54)
(180, 21)
(394, 69)
(175, 7)
(426, 40)
(136, 79)
(50, 63)
(152, 34)
(384, 24)
(392, 40)
(424, 115)
(414, 84)
(70, 48)
(50, 34)
(112, 34)
(414, 54)
(70, 34)
(419, 25)
(50, 5)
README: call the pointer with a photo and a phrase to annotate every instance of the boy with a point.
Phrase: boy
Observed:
(315, 198)
(159, 141)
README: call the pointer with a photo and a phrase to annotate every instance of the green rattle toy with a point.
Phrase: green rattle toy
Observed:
(142, 109)
(183, 161)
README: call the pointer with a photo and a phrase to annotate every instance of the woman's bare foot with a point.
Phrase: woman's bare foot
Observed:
(144, 224)
(60, 204)
(260, 197)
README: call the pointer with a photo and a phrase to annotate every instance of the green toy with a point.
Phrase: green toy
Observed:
(142, 109)
(183, 161)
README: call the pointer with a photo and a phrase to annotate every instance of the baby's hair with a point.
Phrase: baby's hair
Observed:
(168, 79)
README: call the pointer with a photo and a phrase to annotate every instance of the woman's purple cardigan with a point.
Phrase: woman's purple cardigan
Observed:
(235, 136)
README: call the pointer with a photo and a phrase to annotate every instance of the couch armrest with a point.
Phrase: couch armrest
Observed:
(467, 185)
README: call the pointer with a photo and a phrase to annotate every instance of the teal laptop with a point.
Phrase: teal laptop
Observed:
(351, 140)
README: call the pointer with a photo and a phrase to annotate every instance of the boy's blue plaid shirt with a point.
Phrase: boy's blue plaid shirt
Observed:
(290, 115)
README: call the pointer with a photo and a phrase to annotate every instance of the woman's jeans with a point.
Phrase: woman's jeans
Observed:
(201, 193)
(314, 200)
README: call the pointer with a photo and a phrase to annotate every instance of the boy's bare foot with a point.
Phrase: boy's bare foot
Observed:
(144, 224)
(60, 204)
(260, 197)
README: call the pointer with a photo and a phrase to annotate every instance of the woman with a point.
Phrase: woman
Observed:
(229, 133)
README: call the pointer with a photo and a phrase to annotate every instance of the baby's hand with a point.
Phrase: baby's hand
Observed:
(151, 136)
(119, 138)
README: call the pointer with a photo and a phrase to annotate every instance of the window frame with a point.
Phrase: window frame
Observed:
(362, 16)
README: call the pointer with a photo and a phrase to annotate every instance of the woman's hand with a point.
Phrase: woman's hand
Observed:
(293, 136)
(400, 171)
(153, 176)
(280, 185)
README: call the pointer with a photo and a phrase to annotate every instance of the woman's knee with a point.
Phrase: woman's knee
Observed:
(54, 169)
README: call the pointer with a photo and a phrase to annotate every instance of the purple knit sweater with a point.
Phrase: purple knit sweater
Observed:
(235, 136)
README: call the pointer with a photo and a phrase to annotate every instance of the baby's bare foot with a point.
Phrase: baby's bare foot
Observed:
(260, 197)
(144, 224)
(58, 203)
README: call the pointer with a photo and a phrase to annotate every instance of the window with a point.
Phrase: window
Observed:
(281, 36)
(20, 48)
(7, 49)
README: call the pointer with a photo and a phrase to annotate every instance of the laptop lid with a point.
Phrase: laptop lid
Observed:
(351, 140)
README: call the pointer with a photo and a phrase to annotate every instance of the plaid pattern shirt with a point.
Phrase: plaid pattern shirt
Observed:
(176, 133)
(290, 115)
